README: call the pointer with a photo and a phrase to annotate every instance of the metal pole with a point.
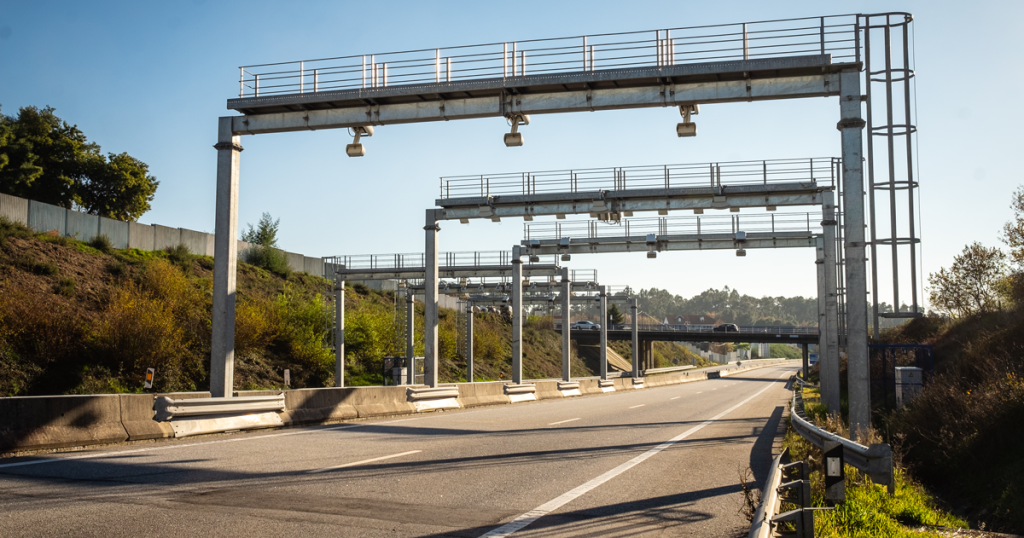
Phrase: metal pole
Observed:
(851, 127)
(819, 262)
(430, 350)
(806, 367)
(225, 262)
(636, 339)
(302, 72)
(410, 336)
(910, 166)
(339, 341)
(831, 355)
(469, 342)
(517, 315)
(891, 140)
(603, 357)
(746, 43)
(566, 322)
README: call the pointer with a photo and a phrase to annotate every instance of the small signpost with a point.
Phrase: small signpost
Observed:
(835, 474)
(149, 378)
(287, 377)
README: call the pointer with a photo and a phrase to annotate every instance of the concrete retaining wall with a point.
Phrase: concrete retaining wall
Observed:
(478, 394)
(14, 209)
(116, 231)
(141, 236)
(81, 226)
(313, 266)
(197, 242)
(45, 217)
(295, 261)
(164, 237)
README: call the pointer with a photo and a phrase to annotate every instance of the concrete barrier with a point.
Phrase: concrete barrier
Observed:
(548, 390)
(313, 266)
(116, 231)
(477, 394)
(82, 226)
(196, 242)
(165, 237)
(295, 261)
(140, 236)
(137, 415)
(36, 422)
(14, 209)
(318, 406)
(380, 401)
(46, 218)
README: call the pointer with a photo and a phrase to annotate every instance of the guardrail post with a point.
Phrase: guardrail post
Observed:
(517, 315)
(225, 262)
(566, 323)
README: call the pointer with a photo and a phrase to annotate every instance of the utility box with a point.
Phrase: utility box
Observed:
(909, 381)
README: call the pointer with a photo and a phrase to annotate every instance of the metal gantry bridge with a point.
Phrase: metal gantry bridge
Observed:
(857, 58)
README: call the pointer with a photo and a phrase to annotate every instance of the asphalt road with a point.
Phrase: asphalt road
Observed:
(659, 461)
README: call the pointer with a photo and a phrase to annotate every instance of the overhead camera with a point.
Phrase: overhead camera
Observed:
(355, 149)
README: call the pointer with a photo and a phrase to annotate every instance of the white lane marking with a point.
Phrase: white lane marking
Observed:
(700, 392)
(554, 504)
(186, 445)
(635, 406)
(371, 460)
(676, 398)
(562, 421)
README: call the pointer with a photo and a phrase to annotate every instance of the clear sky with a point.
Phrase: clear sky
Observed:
(152, 78)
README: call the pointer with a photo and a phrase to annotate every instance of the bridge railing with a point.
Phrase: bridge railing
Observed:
(663, 176)
(836, 35)
(659, 327)
(677, 225)
(417, 259)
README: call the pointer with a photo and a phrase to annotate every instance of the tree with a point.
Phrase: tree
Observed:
(615, 315)
(265, 232)
(971, 284)
(1013, 231)
(45, 159)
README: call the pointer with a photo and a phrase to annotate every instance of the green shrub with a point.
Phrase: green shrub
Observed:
(268, 258)
(9, 228)
(116, 268)
(101, 243)
(66, 286)
(180, 255)
(37, 267)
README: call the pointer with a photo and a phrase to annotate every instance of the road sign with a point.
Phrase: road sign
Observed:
(812, 358)
(149, 378)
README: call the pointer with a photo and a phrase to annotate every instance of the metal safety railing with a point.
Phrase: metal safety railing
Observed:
(418, 259)
(769, 222)
(654, 327)
(836, 35)
(167, 408)
(662, 176)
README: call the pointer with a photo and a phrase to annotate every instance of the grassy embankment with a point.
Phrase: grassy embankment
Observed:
(78, 318)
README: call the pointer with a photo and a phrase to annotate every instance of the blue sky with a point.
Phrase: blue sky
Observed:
(152, 78)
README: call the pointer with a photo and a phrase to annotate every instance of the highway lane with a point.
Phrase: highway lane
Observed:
(464, 473)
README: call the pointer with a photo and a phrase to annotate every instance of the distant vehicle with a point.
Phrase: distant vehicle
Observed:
(726, 328)
(585, 325)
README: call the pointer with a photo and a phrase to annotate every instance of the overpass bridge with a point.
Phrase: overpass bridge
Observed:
(692, 333)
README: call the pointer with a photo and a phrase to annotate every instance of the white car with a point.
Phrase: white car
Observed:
(584, 325)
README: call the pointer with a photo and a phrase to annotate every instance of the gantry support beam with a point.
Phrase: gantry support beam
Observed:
(453, 271)
(664, 243)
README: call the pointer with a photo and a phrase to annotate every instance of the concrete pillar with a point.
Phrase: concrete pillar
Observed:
(648, 354)
(430, 300)
(636, 339)
(831, 350)
(603, 357)
(851, 127)
(225, 262)
(469, 342)
(803, 348)
(566, 314)
(410, 336)
(339, 332)
(517, 315)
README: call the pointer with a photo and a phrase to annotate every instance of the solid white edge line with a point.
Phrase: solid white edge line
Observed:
(371, 460)
(635, 406)
(562, 421)
(554, 504)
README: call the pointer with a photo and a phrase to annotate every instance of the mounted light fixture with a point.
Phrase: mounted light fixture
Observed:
(687, 128)
(563, 245)
(652, 242)
(355, 149)
(741, 253)
(515, 138)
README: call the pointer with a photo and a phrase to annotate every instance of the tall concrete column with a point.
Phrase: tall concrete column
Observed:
(225, 262)
(603, 353)
(823, 364)
(410, 336)
(566, 314)
(851, 127)
(339, 333)
(469, 342)
(635, 356)
(517, 315)
(803, 349)
(430, 350)
(831, 354)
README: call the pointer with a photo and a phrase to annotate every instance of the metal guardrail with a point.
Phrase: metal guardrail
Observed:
(761, 526)
(526, 388)
(665, 176)
(428, 393)
(875, 460)
(667, 369)
(797, 491)
(695, 225)
(167, 409)
(836, 35)
(710, 328)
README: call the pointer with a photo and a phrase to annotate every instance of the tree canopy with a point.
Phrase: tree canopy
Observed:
(265, 232)
(43, 158)
(731, 307)
(972, 284)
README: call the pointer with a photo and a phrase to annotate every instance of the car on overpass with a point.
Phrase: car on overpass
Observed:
(585, 325)
(726, 328)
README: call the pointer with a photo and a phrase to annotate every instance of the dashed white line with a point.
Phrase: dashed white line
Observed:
(635, 406)
(371, 460)
(562, 421)
(676, 398)
(554, 504)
